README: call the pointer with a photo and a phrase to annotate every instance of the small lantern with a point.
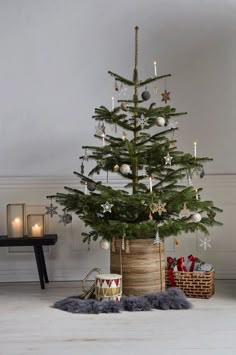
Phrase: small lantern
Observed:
(15, 220)
(35, 225)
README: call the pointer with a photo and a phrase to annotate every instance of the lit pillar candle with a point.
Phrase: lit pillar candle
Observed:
(112, 103)
(17, 227)
(36, 230)
(150, 183)
(195, 149)
(155, 68)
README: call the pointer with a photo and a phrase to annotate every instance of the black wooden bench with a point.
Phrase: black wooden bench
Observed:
(37, 243)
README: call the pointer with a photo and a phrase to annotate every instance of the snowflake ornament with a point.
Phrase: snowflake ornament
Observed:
(165, 96)
(66, 218)
(205, 243)
(158, 207)
(142, 121)
(51, 210)
(107, 207)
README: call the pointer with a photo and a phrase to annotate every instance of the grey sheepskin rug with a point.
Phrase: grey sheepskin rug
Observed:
(173, 298)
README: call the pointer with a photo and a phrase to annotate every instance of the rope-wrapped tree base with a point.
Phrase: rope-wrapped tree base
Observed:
(142, 269)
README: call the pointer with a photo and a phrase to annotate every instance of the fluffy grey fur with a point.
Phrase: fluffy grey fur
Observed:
(135, 303)
(173, 298)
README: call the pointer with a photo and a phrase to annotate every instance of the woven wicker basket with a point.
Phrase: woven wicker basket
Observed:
(142, 268)
(194, 284)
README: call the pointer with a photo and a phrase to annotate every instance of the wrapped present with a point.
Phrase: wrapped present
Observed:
(171, 263)
(192, 263)
(171, 266)
(180, 264)
(204, 267)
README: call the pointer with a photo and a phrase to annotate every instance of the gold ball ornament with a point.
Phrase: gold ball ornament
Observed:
(124, 106)
(116, 168)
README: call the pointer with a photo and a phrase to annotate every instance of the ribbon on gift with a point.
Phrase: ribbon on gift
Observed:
(170, 265)
(193, 259)
(180, 264)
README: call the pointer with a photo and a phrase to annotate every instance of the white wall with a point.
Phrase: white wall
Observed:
(55, 55)
(54, 59)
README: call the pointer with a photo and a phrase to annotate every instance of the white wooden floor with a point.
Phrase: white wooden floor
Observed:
(28, 325)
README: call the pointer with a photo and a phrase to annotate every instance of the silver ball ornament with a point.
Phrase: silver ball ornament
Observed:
(125, 169)
(104, 244)
(91, 186)
(196, 217)
(146, 95)
(160, 121)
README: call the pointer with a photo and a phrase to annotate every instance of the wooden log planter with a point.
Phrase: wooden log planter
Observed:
(141, 264)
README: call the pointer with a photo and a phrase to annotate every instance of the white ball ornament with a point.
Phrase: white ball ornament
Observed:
(196, 217)
(104, 244)
(125, 169)
(160, 121)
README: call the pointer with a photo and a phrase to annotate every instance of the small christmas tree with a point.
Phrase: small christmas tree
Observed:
(158, 199)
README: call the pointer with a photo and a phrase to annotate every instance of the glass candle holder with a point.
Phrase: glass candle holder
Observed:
(15, 220)
(35, 225)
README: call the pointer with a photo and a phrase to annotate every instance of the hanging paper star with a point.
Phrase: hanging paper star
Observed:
(107, 207)
(158, 207)
(168, 159)
(185, 211)
(66, 218)
(51, 210)
(165, 96)
(205, 243)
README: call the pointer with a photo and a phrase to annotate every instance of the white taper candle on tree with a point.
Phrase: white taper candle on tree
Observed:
(195, 149)
(196, 190)
(112, 103)
(150, 183)
(155, 68)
